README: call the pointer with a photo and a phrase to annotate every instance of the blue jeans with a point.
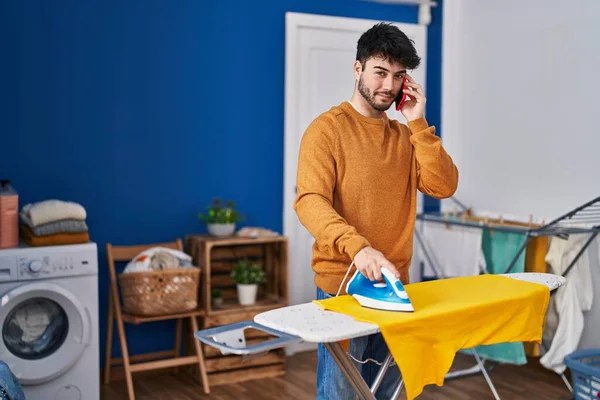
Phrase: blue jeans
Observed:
(331, 382)
(9, 385)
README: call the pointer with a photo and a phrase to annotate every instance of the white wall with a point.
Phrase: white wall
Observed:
(521, 109)
(520, 103)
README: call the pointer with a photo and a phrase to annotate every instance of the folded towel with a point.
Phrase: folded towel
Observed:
(54, 239)
(52, 210)
(60, 226)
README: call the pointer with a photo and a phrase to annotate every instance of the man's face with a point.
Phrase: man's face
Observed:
(380, 81)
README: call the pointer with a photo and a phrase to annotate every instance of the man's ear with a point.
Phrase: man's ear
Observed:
(357, 69)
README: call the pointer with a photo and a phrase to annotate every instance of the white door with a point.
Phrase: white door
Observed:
(320, 53)
(43, 325)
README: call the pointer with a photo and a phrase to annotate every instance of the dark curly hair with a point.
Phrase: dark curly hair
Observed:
(387, 41)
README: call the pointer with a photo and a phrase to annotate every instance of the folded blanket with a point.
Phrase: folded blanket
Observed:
(54, 239)
(452, 314)
(60, 226)
(53, 210)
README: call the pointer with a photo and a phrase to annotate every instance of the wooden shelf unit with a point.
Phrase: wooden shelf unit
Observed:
(216, 256)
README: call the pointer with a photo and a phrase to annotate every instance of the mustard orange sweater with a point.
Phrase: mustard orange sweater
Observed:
(357, 186)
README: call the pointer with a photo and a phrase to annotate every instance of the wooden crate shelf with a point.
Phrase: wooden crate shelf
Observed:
(232, 306)
(216, 257)
(224, 317)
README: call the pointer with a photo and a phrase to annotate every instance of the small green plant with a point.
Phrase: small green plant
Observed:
(216, 294)
(246, 272)
(219, 213)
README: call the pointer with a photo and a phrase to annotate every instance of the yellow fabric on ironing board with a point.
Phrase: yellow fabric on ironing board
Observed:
(452, 314)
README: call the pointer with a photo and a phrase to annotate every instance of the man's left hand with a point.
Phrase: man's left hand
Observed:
(414, 107)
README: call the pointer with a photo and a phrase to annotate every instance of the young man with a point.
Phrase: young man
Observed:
(358, 176)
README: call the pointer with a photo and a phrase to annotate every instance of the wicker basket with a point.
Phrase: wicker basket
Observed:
(163, 292)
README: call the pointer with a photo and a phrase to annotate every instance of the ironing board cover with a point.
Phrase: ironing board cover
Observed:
(452, 314)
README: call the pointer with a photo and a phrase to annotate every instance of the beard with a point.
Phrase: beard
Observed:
(370, 98)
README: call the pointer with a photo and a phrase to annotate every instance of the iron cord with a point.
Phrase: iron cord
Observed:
(344, 280)
(350, 355)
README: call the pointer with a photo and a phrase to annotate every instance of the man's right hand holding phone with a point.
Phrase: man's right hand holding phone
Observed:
(369, 262)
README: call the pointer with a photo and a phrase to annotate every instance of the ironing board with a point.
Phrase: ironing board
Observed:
(308, 322)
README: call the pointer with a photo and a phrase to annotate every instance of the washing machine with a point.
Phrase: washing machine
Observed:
(49, 320)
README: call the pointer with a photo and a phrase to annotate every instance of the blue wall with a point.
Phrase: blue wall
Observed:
(142, 111)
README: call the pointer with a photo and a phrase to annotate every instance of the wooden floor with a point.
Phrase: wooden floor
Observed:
(529, 382)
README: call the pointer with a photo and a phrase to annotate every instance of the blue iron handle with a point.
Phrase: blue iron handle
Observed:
(394, 283)
(230, 339)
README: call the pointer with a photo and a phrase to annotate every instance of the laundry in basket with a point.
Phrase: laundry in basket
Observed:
(159, 281)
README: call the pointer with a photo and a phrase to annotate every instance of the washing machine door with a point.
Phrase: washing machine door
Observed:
(44, 331)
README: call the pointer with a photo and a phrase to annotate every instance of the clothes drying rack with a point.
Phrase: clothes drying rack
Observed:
(584, 219)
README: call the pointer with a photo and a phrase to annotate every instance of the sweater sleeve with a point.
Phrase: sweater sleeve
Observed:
(316, 181)
(436, 173)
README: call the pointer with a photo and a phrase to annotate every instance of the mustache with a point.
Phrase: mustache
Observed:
(387, 94)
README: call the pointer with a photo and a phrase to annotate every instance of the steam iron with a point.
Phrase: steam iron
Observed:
(389, 296)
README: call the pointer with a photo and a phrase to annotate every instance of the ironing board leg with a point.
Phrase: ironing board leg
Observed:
(366, 393)
(398, 390)
(381, 373)
(358, 383)
(485, 374)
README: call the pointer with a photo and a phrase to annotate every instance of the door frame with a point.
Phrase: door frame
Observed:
(293, 23)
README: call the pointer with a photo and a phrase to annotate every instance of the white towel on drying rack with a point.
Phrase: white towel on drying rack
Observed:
(571, 300)
(454, 250)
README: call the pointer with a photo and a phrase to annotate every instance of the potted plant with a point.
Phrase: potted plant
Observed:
(221, 218)
(247, 275)
(217, 300)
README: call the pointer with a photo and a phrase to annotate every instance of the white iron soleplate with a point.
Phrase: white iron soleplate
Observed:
(382, 305)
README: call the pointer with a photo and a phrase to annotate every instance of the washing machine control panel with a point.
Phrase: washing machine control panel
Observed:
(25, 263)
(52, 266)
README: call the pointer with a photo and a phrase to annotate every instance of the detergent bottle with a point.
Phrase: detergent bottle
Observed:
(9, 216)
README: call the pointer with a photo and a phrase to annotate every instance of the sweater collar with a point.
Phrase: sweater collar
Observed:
(350, 109)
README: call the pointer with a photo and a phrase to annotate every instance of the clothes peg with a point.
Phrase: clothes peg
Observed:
(502, 220)
(487, 222)
(530, 220)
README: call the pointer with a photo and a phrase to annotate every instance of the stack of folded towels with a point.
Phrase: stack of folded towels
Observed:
(53, 222)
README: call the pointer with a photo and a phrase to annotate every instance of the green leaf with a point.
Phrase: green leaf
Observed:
(218, 214)
(247, 272)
